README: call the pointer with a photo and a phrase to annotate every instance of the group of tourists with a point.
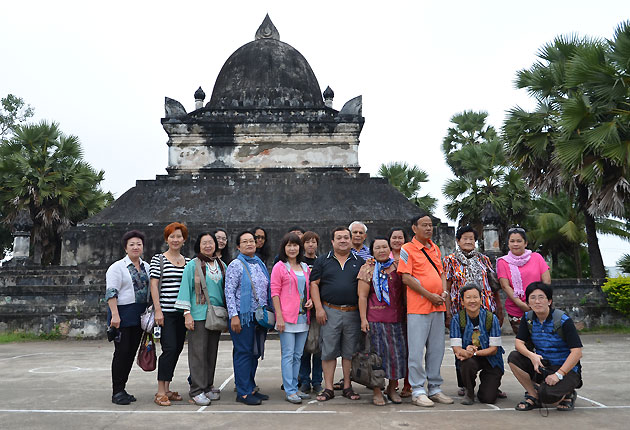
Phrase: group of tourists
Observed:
(395, 297)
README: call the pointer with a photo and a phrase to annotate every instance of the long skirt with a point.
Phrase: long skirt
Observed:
(388, 341)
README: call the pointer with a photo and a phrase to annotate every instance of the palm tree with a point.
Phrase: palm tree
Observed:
(41, 170)
(408, 180)
(484, 176)
(576, 139)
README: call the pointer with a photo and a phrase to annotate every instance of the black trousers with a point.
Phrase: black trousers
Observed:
(203, 348)
(172, 341)
(547, 393)
(489, 376)
(124, 356)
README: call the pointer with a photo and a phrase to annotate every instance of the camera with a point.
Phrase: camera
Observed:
(113, 334)
(157, 332)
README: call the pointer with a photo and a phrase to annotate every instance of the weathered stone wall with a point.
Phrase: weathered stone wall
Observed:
(70, 299)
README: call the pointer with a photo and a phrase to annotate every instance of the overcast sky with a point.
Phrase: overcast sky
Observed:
(102, 69)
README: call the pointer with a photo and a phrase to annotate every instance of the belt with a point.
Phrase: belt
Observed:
(342, 308)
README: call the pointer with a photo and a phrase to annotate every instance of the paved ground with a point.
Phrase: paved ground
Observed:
(66, 384)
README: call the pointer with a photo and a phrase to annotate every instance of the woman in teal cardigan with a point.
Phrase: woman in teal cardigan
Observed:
(203, 344)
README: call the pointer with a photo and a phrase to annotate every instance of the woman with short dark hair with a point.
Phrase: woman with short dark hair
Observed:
(204, 276)
(127, 290)
(246, 288)
(516, 270)
(476, 341)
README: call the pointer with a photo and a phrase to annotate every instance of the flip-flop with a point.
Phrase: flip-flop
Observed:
(381, 402)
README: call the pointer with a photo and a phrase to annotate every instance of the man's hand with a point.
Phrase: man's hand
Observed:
(536, 361)
(321, 316)
(436, 299)
(365, 326)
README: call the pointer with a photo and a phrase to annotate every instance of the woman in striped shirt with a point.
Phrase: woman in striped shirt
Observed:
(168, 268)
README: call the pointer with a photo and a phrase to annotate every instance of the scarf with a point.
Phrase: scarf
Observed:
(140, 280)
(515, 262)
(200, 262)
(379, 280)
(246, 312)
(473, 268)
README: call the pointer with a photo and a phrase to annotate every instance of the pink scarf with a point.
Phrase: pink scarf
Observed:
(515, 262)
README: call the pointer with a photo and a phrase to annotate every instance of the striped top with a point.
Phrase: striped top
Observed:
(171, 280)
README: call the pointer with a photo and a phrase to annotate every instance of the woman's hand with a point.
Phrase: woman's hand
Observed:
(308, 304)
(115, 321)
(521, 304)
(279, 322)
(365, 325)
(159, 317)
(189, 322)
(235, 324)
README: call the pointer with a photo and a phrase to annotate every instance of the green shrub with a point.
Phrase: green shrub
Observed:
(618, 293)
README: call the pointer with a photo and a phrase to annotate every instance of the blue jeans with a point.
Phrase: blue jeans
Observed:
(292, 346)
(244, 360)
(304, 376)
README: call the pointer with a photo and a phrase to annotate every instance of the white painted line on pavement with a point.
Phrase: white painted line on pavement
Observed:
(592, 401)
(301, 408)
(428, 410)
(313, 401)
(26, 355)
(153, 412)
(226, 382)
(201, 409)
(492, 406)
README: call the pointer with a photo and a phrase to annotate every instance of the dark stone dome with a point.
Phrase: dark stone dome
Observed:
(266, 73)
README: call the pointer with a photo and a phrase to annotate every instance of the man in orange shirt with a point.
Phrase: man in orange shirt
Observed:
(421, 268)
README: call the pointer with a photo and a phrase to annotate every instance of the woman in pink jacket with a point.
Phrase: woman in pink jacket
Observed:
(291, 300)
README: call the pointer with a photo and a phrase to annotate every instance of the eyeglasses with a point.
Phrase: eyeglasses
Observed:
(541, 298)
(259, 237)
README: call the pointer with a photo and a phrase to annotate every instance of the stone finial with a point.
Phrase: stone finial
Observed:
(267, 30)
(173, 108)
(328, 94)
(199, 96)
(353, 107)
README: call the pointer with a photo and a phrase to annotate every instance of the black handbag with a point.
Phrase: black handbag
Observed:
(367, 367)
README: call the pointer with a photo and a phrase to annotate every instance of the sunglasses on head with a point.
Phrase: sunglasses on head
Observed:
(516, 230)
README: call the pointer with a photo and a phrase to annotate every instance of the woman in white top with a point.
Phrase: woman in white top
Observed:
(169, 268)
(127, 284)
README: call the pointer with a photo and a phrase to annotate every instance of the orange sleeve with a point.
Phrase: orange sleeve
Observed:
(405, 264)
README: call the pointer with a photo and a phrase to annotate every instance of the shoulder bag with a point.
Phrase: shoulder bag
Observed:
(146, 354)
(147, 319)
(367, 367)
(264, 315)
(216, 316)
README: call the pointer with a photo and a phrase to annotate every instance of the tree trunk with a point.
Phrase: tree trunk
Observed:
(578, 261)
(598, 271)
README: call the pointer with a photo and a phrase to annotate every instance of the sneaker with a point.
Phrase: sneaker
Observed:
(467, 401)
(422, 400)
(213, 395)
(441, 398)
(302, 395)
(294, 398)
(201, 400)
(121, 398)
(305, 388)
(260, 395)
(249, 400)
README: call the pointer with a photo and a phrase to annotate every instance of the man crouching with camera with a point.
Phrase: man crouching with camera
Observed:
(551, 373)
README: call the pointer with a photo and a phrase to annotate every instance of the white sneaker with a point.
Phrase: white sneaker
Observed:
(213, 395)
(422, 400)
(201, 400)
(441, 398)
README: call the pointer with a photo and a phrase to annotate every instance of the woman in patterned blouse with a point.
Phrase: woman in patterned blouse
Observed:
(467, 265)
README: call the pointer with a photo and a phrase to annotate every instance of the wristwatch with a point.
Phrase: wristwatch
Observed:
(559, 375)
(475, 353)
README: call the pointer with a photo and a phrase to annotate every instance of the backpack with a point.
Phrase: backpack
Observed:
(557, 322)
(462, 320)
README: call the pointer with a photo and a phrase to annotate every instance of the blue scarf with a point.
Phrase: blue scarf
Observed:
(379, 280)
(246, 313)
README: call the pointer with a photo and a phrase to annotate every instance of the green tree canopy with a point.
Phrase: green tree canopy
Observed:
(408, 180)
(577, 140)
(42, 171)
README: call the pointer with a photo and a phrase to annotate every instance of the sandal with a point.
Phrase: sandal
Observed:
(162, 400)
(568, 404)
(379, 402)
(348, 393)
(325, 395)
(405, 392)
(528, 406)
(174, 395)
(338, 385)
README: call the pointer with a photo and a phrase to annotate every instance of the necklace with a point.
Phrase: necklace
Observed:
(213, 270)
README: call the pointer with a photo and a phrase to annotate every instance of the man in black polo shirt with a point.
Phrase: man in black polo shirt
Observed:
(334, 293)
